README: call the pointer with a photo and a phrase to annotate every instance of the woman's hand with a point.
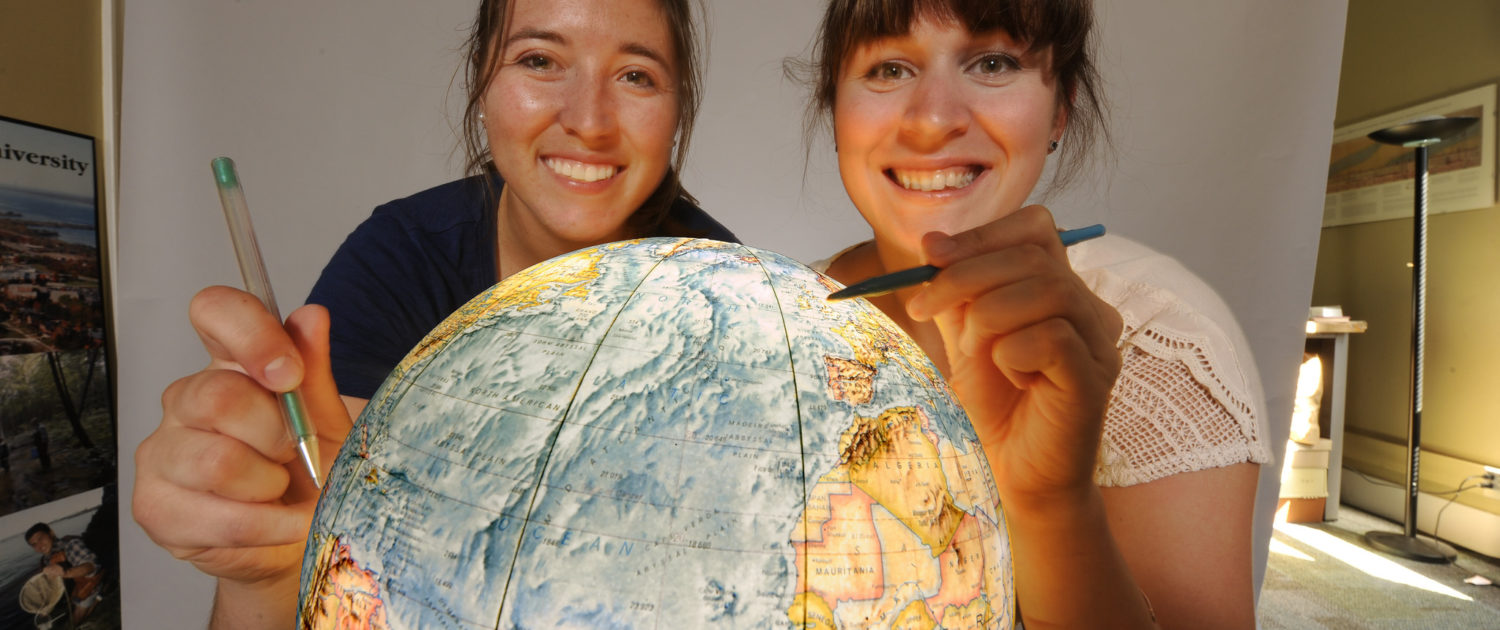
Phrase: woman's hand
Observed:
(1030, 349)
(220, 483)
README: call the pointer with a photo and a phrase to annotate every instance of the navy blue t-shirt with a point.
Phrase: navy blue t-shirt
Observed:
(410, 265)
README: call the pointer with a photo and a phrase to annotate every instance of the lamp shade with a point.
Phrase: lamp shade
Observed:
(1423, 132)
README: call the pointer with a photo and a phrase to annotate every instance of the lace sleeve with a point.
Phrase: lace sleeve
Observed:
(1163, 419)
(1188, 397)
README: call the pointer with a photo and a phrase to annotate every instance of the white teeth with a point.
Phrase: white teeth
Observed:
(929, 181)
(581, 172)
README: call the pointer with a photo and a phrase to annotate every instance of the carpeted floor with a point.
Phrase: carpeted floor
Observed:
(1322, 576)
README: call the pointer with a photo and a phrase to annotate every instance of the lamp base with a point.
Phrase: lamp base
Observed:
(1410, 547)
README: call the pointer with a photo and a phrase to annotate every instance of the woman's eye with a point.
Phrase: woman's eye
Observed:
(638, 78)
(536, 62)
(889, 71)
(994, 64)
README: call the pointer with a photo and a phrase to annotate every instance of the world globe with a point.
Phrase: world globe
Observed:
(661, 433)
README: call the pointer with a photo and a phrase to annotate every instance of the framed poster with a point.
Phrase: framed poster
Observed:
(59, 544)
(1369, 181)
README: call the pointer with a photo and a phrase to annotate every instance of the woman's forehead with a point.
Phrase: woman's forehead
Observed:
(629, 27)
(1022, 21)
(630, 19)
(922, 31)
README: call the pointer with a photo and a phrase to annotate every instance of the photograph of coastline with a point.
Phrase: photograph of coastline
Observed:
(57, 426)
(51, 297)
(58, 538)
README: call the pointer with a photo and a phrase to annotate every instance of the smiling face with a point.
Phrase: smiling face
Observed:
(41, 542)
(580, 117)
(942, 129)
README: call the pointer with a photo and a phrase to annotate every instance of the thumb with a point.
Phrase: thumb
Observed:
(308, 327)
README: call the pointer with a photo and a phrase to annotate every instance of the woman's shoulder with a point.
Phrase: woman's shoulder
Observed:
(1147, 285)
(460, 203)
(1166, 307)
(685, 218)
(434, 239)
(823, 265)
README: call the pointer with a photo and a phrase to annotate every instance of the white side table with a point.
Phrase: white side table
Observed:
(1334, 386)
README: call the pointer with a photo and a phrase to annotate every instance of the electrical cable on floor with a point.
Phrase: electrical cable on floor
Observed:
(1478, 579)
(1461, 488)
(1452, 494)
(1381, 482)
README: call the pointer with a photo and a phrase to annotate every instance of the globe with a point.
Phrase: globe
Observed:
(661, 433)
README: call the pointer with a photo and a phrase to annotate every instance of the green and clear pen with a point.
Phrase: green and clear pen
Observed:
(253, 270)
(881, 285)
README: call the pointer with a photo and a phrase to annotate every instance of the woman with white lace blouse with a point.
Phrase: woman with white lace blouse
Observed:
(1114, 395)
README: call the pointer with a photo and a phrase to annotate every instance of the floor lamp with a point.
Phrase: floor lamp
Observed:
(1419, 134)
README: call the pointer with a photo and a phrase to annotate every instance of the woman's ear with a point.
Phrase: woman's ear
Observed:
(1064, 105)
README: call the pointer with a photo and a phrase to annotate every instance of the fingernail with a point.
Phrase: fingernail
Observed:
(916, 308)
(283, 373)
(943, 246)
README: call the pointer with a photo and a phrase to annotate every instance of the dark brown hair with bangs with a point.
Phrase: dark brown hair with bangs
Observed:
(1063, 26)
(483, 53)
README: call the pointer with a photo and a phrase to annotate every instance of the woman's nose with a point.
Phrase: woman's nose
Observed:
(588, 110)
(937, 112)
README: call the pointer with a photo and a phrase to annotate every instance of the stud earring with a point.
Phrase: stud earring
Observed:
(1052, 147)
(481, 119)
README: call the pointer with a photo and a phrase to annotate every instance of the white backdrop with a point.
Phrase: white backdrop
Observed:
(1222, 113)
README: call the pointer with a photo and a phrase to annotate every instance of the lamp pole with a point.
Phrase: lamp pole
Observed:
(1419, 134)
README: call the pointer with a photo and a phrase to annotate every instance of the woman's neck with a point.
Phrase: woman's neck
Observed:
(521, 241)
(865, 261)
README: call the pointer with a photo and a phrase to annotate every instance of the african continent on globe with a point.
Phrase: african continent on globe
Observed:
(661, 433)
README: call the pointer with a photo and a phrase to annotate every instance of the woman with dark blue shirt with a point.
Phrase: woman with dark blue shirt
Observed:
(578, 117)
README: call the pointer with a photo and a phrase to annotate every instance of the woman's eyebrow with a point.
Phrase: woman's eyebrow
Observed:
(534, 33)
(632, 48)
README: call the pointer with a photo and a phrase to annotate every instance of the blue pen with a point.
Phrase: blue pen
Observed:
(881, 285)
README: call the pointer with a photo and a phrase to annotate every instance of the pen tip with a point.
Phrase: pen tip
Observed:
(309, 449)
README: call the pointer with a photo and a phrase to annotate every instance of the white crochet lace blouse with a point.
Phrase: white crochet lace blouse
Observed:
(1189, 397)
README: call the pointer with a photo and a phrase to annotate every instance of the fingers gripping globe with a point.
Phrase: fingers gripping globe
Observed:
(661, 433)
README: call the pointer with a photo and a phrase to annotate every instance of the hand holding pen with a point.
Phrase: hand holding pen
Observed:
(221, 482)
(253, 271)
(1028, 347)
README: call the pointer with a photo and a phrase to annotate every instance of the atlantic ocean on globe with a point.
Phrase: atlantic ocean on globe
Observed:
(661, 433)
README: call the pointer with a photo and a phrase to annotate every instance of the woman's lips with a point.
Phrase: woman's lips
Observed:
(580, 171)
(934, 180)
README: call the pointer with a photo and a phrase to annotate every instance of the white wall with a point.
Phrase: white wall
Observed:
(1223, 113)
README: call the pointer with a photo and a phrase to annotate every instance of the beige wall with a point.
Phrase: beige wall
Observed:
(1398, 54)
(49, 64)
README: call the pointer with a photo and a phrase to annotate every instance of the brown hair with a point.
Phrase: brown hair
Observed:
(1064, 26)
(482, 51)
